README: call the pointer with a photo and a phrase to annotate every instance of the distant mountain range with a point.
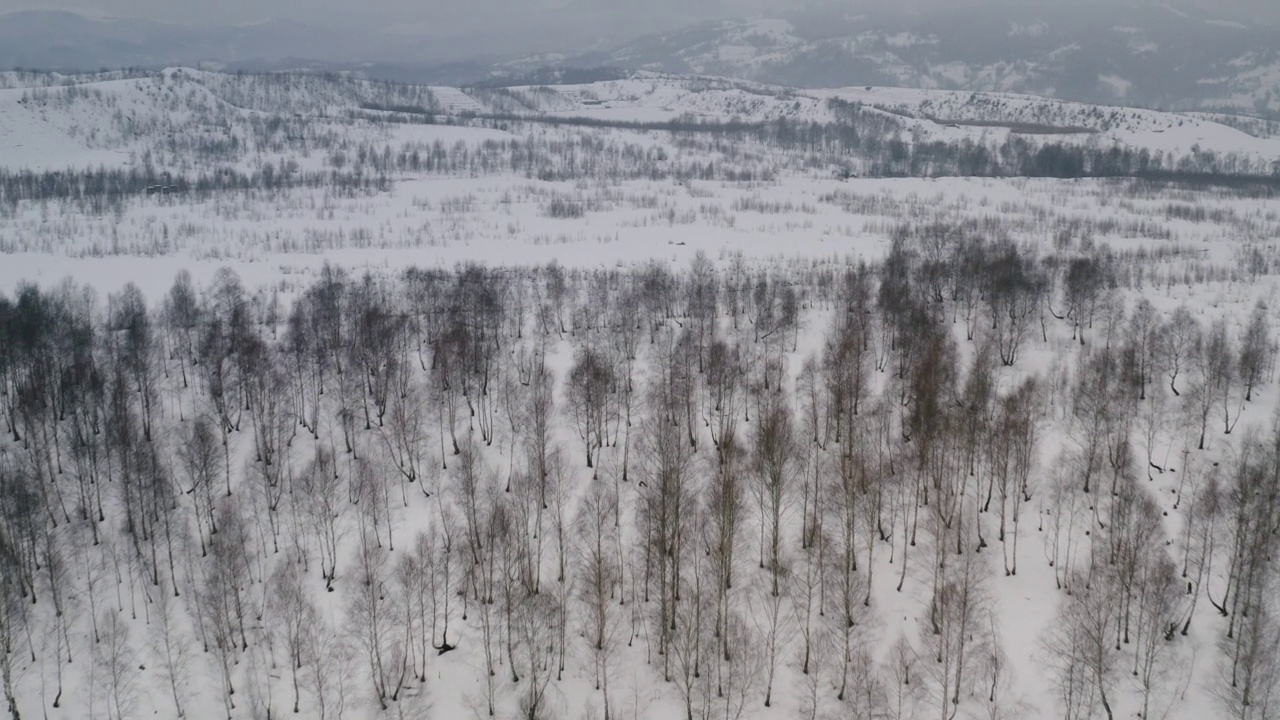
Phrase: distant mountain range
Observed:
(1152, 57)
(1136, 56)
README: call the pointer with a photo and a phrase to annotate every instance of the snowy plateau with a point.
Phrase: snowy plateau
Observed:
(655, 397)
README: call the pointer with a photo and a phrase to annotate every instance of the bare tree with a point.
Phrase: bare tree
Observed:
(1199, 530)
(270, 472)
(1014, 460)
(1097, 427)
(590, 381)
(135, 344)
(773, 627)
(114, 666)
(997, 676)
(448, 363)
(202, 464)
(806, 604)
(172, 648)
(723, 511)
(724, 397)
(1013, 292)
(443, 577)
(182, 315)
(736, 679)
(224, 596)
(14, 613)
(1179, 344)
(1142, 345)
(774, 460)
(1159, 607)
(667, 511)
(404, 434)
(848, 348)
(538, 423)
(1221, 373)
(1201, 398)
(813, 682)
(1086, 283)
(485, 524)
(330, 671)
(321, 501)
(1251, 675)
(294, 615)
(1081, 650)
(1255, 350)
(905, 679)
(1152, 421)
(372, 617)
(687, 641)
(1252, 499)
(599, 589)
(954, 631)
(413, 577)
(534, 637)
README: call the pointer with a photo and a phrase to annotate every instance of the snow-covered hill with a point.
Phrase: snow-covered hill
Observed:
(181, 120)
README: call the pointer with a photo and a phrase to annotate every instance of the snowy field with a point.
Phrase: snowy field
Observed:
(286, 236)
(826, 418)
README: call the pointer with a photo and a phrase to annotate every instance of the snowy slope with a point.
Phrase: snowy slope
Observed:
(40, 139)
(1133, 127)
(182, 119)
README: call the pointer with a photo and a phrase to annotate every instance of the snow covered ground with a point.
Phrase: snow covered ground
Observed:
(1209, 249)
(443, 221)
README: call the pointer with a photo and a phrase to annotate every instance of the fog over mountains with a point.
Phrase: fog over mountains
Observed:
(1155, 56)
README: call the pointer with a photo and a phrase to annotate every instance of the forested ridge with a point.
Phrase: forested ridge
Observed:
(206, 132)
(713, 474)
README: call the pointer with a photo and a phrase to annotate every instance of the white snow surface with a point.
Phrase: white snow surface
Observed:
(281, 241)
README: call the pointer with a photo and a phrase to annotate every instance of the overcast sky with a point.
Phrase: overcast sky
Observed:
(444, 16)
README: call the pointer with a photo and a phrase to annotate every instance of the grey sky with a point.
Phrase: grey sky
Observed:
(434, 17)
(449, 13)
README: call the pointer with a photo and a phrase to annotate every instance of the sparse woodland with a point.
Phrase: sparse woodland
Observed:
(733, 479)
(823, 412)
(204, 133)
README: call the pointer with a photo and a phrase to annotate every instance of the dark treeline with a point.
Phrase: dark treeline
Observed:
(359, 167)
(106, 189)
(876, 139)
(555, 75)
(20, 77)
(705, 481)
